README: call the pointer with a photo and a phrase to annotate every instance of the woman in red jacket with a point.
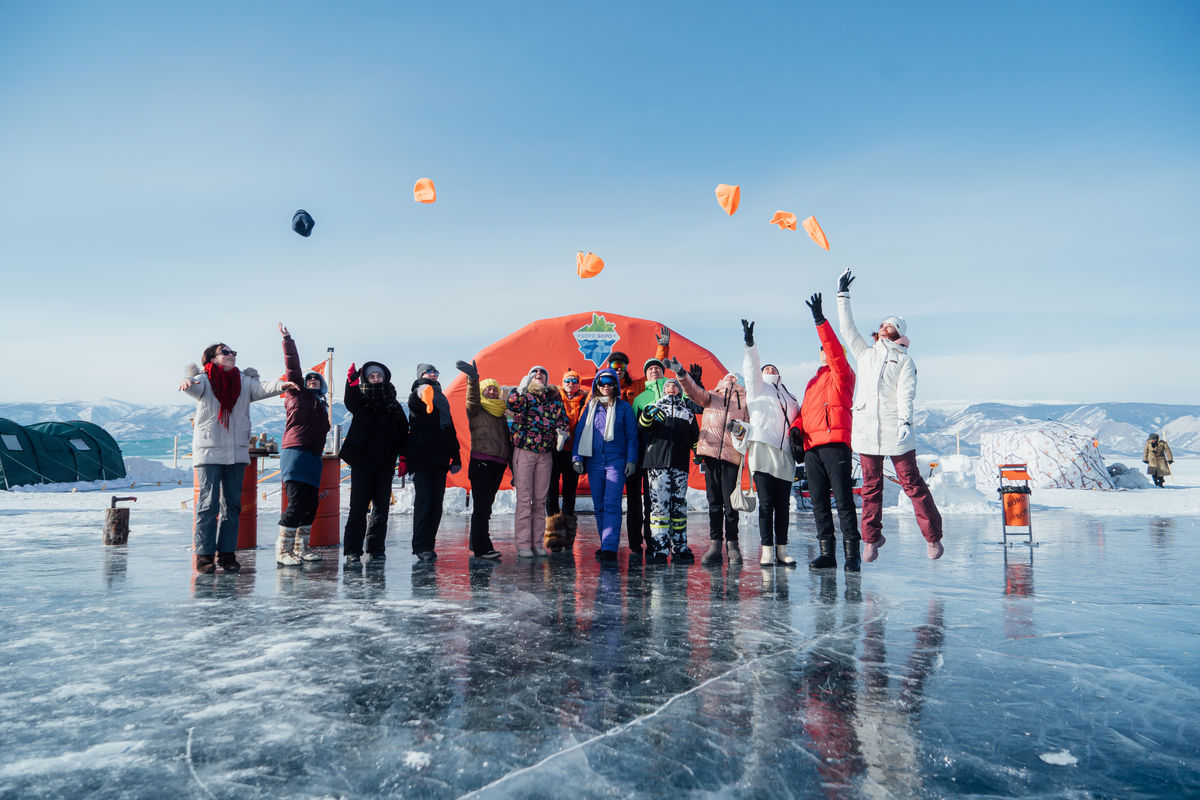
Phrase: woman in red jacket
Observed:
(824, 425)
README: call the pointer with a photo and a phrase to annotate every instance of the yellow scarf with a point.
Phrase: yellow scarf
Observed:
(494, 406)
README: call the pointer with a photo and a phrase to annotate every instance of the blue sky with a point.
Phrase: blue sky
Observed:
(1021, 181)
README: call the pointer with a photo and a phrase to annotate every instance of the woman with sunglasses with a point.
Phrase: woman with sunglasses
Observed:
(539, 428)
(432, 454)
(606, 449)
(561, 527)
(221, 449)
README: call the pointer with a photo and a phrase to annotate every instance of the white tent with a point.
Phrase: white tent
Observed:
(1059, 455)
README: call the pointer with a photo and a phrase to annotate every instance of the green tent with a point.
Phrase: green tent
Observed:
(57, 452)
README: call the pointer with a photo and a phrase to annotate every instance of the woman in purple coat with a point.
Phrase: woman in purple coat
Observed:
(606, 448)
(300, 457)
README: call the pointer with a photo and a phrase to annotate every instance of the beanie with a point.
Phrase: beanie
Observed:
(652, 362)
(423, 368)
(896, 322)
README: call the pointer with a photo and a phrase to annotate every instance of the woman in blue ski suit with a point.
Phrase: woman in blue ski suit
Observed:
(606, 448)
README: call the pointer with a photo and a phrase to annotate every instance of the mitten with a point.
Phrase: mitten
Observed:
(352, 375)
(470, 370)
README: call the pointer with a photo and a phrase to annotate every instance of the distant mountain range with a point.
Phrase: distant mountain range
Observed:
(1122, 427)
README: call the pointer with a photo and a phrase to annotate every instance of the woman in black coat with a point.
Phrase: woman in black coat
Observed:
(378, 435)
(432, 453)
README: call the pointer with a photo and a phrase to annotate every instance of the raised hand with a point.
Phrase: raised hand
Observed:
(748, 332)
(673, 364)
(844, 281)
(814, 305)
(664, 336)
(283, 329)
(352, 375)
(470, 370)
(694, 372)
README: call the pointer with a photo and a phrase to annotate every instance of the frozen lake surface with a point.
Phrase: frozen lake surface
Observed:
(1068, 670)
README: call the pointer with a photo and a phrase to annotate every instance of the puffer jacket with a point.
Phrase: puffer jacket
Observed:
(726, 402)
(1158, 458)
(772, 407)
(430, 444)
(884, 392)
(623, 449)
(212, 442)
(537, 419)
(574, 407)
(631, 388)
(379, 430)
(489, 434)
(307, 417)
(825, 416)
(667, 442)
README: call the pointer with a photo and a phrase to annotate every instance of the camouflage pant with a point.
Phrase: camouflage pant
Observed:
(668, 509)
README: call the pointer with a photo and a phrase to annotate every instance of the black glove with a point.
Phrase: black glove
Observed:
(694, 372)
(470, 370)
(578, 466)
(796, 440)
(814, 305)
(673, 364)
(844, 281)
(748, 333)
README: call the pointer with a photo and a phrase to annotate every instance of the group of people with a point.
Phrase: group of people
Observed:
(632, 437)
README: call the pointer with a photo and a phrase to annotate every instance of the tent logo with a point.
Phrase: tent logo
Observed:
(597, 339)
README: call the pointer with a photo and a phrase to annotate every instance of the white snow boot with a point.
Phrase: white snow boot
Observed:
(283, 548)
(303, 534)
(781, 556)
(768, 556)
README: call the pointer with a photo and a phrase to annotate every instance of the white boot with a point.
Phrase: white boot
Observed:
(283, 547)
(303, 533)
(782, 557)
(768, 556)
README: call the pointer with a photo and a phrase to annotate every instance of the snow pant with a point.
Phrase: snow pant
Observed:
(828, 466)
(774, 506)
(370, 486)
(929, 519)
(720, 478)
(607, 482)
(561, 470)
(218, 508)
(302, 504)
(429, 490)
(531, 479)
(668, 509)
(485, 477)
(637, 509)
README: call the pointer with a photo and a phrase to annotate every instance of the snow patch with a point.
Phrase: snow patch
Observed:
(418, 761)
(1062, 758)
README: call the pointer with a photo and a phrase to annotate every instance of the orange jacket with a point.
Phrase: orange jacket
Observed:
(574, 406)
(825, 411)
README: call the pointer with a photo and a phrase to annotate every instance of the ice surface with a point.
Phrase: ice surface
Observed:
(982, 674)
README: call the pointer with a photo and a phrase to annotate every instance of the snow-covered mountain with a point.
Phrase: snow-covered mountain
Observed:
(1122, 427)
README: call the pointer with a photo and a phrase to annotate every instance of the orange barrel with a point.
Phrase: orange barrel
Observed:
(248, 519)
(1015, 500)
(326, 528)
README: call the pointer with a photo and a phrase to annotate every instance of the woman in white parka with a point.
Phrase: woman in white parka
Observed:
(882, 424)
(766, 441)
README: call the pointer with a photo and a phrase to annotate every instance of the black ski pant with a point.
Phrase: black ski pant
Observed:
(720, 479)
(302, 505)
(561, 470)
(429, 491)
(828, 466)
(485, 479)
(774, 506)
(637, 509)
(370, 486)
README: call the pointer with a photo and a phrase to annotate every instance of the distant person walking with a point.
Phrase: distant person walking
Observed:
(221, 448)
(883, 425)
(300, 464)
(1157, 455)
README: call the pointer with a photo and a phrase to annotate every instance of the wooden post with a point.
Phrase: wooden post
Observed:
(116, 522)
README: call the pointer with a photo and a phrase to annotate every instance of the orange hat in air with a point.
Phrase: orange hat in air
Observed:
(423, 191)
(785, 220)
(588, 266)
(729, 197)
(815, 232)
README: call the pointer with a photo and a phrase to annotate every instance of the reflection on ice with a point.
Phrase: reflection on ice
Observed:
(126, 675)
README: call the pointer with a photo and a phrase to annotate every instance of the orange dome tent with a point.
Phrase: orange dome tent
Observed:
(577, 341)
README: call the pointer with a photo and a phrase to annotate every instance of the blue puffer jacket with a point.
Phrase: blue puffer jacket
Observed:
(623, 449)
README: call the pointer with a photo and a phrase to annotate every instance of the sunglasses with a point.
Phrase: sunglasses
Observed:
(602, 384)
(225, 351)
(617, 364)
(432, 372)
(571, 380)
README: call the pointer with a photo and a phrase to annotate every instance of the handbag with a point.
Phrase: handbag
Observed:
(739, 500)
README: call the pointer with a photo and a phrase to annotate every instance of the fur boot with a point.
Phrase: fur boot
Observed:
(571, 525)
(303, 534)
(284, 546)
(555, 537)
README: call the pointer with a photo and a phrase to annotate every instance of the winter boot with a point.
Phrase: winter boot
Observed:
(870, 550)
(734, 551)
(713, 554)
(767, 559)
(934, 549)
(555, 528)
(684, 556)
(570, 527)
(303, 534)
(284, 546)
(229, 562)
(828, 557)
(853, 561)
(204, 565)
(781, 556)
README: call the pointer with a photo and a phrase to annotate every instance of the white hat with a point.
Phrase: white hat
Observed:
(896, 322)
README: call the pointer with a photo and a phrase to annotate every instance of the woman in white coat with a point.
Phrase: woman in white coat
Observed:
(221, 448)
(882, 424)
(768, 452)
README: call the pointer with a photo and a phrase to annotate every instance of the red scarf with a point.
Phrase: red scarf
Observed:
(226, 386)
